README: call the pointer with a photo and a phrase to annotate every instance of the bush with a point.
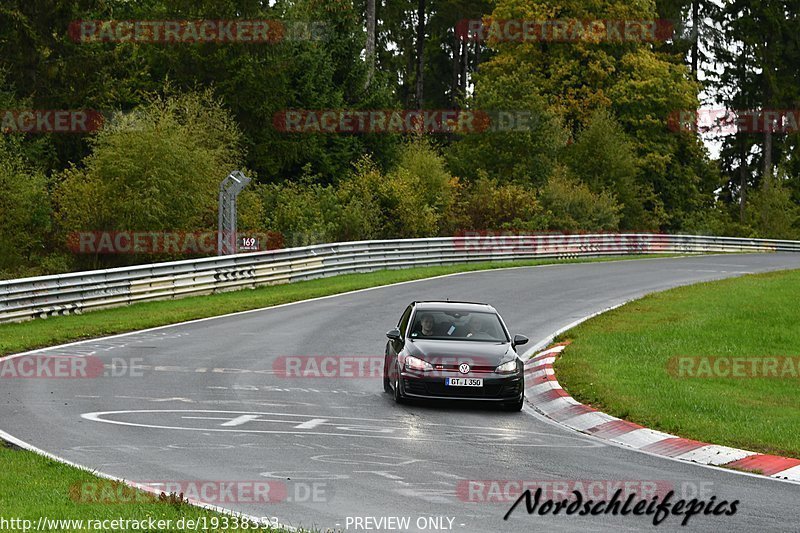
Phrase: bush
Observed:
(381, 205)
(721, 219)
(157, 168)
(304, 212)
(771, 212)
(414, 199)
(489, 205)
(24, 210)
(572, 206)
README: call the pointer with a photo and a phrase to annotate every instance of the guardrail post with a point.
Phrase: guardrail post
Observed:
(229, 190)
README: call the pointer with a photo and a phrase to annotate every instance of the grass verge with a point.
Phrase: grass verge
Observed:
(627, 362)
(32, 486)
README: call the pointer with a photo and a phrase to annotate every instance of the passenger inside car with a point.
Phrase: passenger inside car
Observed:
(478, 329)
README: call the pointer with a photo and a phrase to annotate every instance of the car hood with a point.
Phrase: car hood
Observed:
(474, 353)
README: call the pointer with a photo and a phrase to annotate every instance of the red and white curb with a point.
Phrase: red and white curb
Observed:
(548, 397)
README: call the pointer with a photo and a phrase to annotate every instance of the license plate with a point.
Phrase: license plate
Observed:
(464, 382)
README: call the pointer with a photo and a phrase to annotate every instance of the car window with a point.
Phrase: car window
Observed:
(457, 325)
(403, 324)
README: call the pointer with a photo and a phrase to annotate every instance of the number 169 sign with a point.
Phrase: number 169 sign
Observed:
(248, 244)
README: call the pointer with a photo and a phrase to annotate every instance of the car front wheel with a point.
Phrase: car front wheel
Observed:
(398, 395)
(515, 406)
(387, 384)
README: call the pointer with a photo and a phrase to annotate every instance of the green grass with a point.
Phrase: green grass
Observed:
(32, 486)
(618, 362)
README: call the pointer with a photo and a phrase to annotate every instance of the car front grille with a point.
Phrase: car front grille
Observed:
(413, 386)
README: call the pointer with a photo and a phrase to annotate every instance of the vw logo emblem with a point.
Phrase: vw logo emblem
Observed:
(463, 368)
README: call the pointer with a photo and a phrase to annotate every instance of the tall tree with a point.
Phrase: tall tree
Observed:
(757, 55)
(369, 48)
(420, 64)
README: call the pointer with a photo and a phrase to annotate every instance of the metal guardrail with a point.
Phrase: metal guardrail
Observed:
(40, 297)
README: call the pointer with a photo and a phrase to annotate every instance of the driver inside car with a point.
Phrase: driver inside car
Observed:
(424, 327)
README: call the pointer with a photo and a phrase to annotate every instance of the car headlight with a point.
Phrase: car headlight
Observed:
(414, 363)
(507, 368)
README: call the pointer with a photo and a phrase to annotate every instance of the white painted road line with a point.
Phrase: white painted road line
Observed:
(239, 420)
(311, 424)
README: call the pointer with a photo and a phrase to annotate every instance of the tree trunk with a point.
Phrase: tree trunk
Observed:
(742, 176)
(742, 143)
(768, 102)
(369, 48)
(464, 63)
(420, 51)
(695, 36)
(767, 153)
(456, 67)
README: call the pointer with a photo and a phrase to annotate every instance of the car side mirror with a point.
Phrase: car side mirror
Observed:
(393, 334)
(519, 340)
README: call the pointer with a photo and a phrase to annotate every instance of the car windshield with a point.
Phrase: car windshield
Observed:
(458, 325)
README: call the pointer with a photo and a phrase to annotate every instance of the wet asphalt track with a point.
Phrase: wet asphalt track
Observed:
(209, 407)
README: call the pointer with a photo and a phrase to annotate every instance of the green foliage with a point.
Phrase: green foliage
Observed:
(157, 168)
(489, 205)
(589, 148)
(603, 157)
(667, 174)
(302, 211)
(24, 209)
(572, 206)
(755, 67)
(528, 152)
(674, 165)
(361, 214)
(418, 194)
(419, 159)
(720, 220)
(410, 200)
(772, 213)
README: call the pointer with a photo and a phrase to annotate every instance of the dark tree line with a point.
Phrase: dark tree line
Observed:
(598, 153)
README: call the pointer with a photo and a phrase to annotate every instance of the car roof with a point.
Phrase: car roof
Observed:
(450, 304)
